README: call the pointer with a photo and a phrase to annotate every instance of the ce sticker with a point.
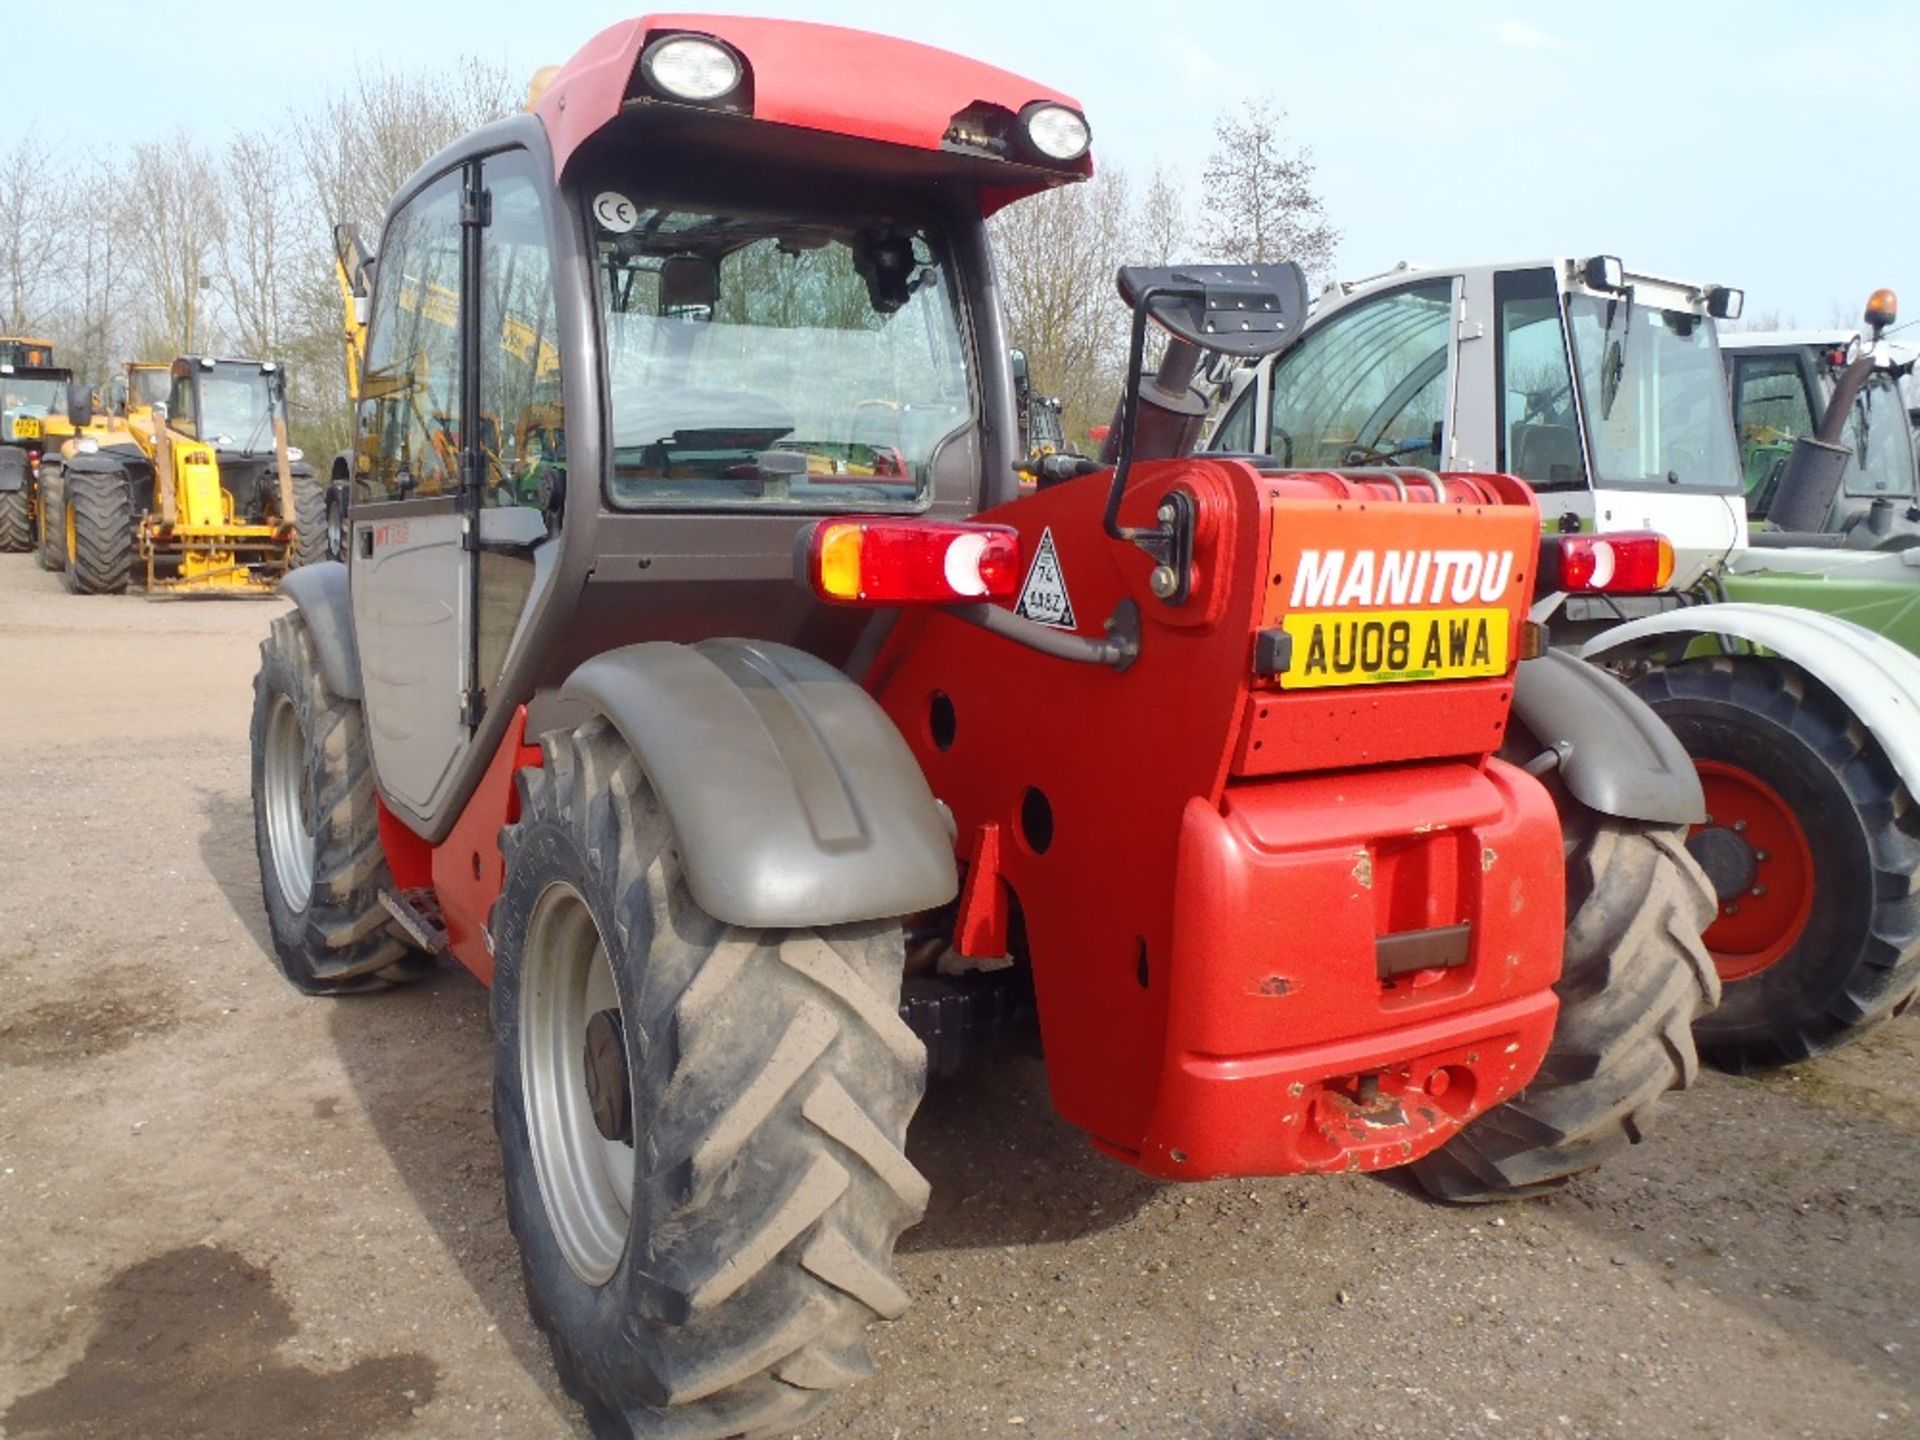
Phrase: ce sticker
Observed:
(615, 212)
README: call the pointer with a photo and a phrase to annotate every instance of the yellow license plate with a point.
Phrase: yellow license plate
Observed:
(25, 427)
(1391, 647)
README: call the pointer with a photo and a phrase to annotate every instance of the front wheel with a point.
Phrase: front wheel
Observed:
(16, 516)
(1634, 979)
(701, 1126)
(97, 507)
(1812, 844)
(50, 523)
(316, 827)
(310, 522)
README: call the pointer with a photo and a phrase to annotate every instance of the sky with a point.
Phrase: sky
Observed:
(1741, 144)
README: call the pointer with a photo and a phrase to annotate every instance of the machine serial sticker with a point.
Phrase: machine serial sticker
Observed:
(1386, 647)
(615, 212)
(1043, 598)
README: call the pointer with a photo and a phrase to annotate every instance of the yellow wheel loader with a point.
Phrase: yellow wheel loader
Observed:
(196, 492)
(33, 421)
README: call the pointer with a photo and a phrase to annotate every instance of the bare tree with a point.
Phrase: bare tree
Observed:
(1162, 233)
(1260, 202)
(1057, 255)
(28, 196)
(258, 247)
(90, 287)
(174, 189)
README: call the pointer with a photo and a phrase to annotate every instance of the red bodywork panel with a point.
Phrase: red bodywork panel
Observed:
(1226, 854)
(466, 871)
(906, 94)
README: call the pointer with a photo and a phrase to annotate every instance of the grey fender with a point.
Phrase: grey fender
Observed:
(13, 468)
(319, 591)
(1616, 755)
(1878, 680)
(794, 800)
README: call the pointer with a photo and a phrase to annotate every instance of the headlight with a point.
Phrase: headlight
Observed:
(690, 67)
(294, 452)
(87, 445)
(1057, 132)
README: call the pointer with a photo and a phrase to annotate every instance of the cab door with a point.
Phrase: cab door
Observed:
(412, 576)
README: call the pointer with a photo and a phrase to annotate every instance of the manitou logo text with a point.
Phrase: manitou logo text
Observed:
(1328, 579)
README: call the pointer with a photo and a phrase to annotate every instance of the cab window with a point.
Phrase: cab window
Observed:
(1539, 428)
(1770, 408)
(1370, 386)
(409, 426)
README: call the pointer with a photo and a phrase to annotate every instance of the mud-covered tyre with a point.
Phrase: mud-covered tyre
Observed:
(309, 522)
(96, 510)
(316, 827)
(16, 517)
(712, 1269)
(1634, 978)
(1813, 848)
(50, 523)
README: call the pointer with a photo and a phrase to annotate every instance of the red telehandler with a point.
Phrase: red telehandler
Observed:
(715, 695)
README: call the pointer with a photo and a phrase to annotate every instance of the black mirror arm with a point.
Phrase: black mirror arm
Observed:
(1157, 542)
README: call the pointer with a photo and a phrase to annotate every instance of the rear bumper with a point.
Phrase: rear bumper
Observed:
(1286, 1050)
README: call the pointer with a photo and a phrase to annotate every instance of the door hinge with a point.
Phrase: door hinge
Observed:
(476, 208)
(473, 705)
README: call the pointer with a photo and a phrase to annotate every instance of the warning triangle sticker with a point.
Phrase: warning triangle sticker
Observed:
(1043, 598)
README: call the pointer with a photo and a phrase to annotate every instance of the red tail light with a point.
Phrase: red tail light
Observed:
(1626, 562)
(909, 562)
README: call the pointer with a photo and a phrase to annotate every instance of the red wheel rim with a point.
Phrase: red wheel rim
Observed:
(1763, 918)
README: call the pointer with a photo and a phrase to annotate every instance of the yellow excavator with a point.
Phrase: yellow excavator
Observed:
(190, 489)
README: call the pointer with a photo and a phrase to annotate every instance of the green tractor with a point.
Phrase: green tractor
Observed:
(1833, 397)
(1782, 658)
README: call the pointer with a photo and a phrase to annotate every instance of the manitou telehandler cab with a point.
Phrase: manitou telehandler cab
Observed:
(753, 777)
(1833, 399)
(1604, 390)
(33, 420)
(198, 493)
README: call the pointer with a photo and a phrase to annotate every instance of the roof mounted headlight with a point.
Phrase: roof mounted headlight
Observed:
(1055, 131)
(691, 67)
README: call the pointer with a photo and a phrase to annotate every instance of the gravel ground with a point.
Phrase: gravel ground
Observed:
(227, 1211)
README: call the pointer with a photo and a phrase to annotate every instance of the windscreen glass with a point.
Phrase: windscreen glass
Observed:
(1882, 442)
(29, 395)
(1654, 396)
(236, 407)
(148, 387)
(756, 360)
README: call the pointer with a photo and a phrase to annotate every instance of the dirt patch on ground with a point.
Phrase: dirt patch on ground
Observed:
(183, 1348)
(74, 1030)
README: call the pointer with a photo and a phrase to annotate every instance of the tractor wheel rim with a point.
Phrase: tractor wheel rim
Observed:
(586, 1179)
(1757, 854)
(288, 792)
(336, 532)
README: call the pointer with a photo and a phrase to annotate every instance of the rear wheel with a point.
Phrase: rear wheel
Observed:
(16, 528)
(50, 523)
(701, 1126)
(1633, 980)
(310, 540)
(1813, 847)
(98, 510)
(316, 827)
